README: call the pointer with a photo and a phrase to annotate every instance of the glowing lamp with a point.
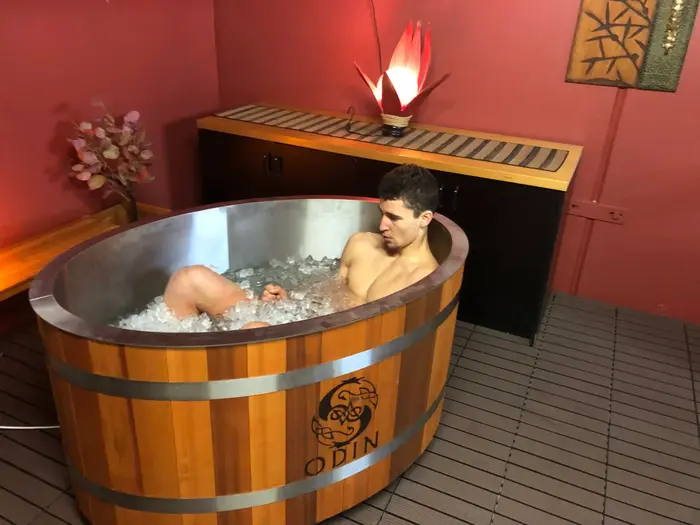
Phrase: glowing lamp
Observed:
(400, 88)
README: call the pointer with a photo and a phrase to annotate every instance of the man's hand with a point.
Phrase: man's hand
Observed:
(273, 292)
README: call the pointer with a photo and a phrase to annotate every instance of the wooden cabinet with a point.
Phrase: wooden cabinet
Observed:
(235, 167)
(510, 212)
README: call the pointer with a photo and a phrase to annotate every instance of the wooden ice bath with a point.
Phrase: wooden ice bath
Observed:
(286, 425)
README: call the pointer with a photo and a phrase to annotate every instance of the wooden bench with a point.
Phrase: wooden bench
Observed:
(20, 263)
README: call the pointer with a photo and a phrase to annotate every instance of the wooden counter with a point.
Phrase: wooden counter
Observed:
(511, 159)
(507, 193)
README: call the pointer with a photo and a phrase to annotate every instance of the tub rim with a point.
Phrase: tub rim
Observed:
(47, 307)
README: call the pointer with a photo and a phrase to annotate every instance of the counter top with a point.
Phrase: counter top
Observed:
(510, 159)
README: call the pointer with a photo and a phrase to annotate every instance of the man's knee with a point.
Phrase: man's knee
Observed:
(187, 277)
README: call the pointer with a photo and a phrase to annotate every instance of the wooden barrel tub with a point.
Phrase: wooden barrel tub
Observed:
(284, 425)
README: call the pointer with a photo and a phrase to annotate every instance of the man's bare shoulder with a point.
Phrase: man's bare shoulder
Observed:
(364, 240)
(357, 247)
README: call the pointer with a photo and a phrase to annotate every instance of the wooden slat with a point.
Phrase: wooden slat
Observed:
(336, 343)
(393, 324)
(267, 414)
(231, 437)
(302, 404)
(193, 428)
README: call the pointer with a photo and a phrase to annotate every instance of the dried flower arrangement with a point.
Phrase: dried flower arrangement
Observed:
(112, 153)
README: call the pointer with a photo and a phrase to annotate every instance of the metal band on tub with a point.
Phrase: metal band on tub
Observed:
(246, 500)
(248, 386)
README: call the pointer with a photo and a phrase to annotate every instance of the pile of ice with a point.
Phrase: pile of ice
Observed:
(308, 282)
(157, 317)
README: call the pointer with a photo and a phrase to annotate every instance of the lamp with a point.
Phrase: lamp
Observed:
(400, 88)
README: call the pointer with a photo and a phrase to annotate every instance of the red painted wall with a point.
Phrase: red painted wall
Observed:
(508, 62)
(157, 56)
(653, 261)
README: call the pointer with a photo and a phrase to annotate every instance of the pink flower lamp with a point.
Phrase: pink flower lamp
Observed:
(400, 88)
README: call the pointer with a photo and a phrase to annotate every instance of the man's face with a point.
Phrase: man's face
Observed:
(399, 227)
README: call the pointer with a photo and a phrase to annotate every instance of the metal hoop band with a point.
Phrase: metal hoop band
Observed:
(249, 386)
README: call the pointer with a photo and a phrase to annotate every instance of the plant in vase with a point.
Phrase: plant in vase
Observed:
(401, 88)
(112, 154)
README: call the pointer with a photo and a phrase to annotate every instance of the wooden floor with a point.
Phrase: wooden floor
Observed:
(596, 424)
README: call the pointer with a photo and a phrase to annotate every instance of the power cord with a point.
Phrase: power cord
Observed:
(348, 124)
(30, 428)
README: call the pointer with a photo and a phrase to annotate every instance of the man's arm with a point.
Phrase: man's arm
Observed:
(346, 298)
(347, 257)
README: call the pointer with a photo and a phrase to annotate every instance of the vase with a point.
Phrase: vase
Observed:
(132, 212)
(394, 125)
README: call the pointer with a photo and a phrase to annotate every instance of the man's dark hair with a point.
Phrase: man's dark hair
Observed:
(412, 184)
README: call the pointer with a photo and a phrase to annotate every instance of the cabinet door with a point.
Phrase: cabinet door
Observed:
(370, 173)
(450, 192)
(303, 171)
(233, 168)
(512, 232)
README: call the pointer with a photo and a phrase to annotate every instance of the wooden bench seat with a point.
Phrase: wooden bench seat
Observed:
(21, 262)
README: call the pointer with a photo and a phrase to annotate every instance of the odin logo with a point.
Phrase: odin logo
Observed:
(344, 414)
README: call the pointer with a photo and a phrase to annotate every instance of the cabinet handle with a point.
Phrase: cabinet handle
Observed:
(454, 198)
(266, 163)
(279, 166)
(440, 205)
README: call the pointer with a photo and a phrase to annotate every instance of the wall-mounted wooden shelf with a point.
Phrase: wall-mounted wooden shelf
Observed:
(522, 161)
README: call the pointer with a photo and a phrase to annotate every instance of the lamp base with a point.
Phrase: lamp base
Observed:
(394, 125)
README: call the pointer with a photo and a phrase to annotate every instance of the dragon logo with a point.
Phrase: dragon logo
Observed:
(345, 412)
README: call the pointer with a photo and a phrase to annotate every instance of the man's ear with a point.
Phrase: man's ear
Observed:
(425, 218)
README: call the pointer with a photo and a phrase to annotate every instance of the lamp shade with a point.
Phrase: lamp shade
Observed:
(401, 88)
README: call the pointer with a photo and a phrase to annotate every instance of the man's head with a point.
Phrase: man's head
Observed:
(408, 196)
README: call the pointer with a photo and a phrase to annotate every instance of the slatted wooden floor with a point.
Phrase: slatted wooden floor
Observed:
(595, 424)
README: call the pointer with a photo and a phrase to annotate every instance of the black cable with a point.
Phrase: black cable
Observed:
(351, 112)
(348, 124)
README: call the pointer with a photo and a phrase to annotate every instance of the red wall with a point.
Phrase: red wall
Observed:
(157, 56)
(508, 62)
(653, 261)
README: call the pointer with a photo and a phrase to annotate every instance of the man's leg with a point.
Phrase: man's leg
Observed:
(196, 289)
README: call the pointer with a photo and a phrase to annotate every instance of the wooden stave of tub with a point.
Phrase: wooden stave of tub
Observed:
(111, 442)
